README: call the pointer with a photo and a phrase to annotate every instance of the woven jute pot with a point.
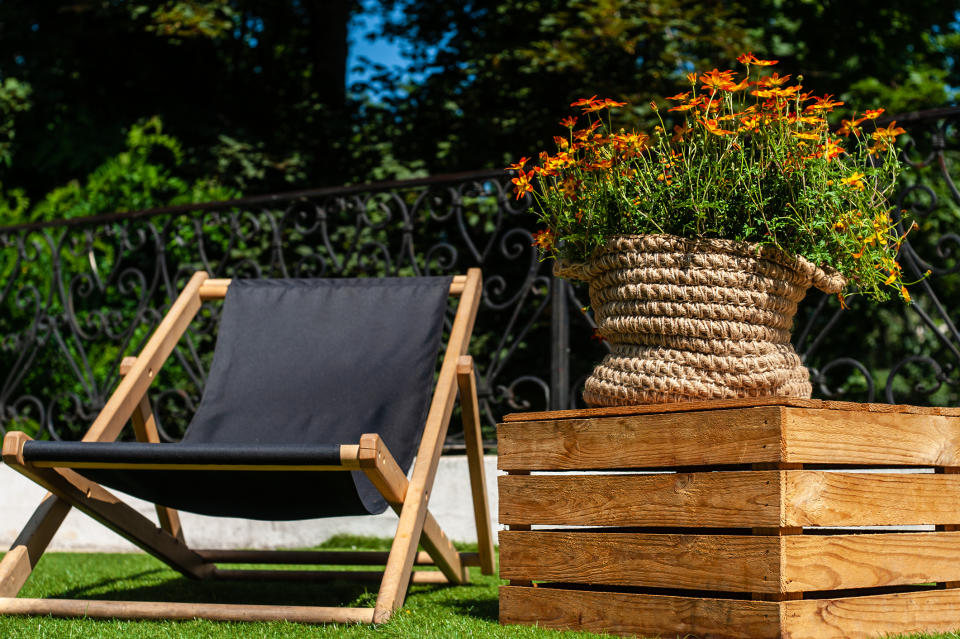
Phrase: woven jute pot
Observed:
(695, 319)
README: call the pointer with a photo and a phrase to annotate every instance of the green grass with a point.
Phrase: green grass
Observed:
(429, 611)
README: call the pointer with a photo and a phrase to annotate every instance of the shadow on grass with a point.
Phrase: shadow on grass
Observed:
(264, 591)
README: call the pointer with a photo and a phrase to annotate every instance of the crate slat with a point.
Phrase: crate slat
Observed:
(707, 562)
(722, 500)
(664, 615)
(820, 498)
(870, 438)
(636, 614)
(738, 563)
(732, 499)
(736, 436)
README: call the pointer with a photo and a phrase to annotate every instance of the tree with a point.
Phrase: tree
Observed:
(269, 75)
(503, 73)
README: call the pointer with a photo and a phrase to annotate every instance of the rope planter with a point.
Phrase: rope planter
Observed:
(694, 319)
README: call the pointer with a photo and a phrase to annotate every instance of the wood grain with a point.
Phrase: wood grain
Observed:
(734, 436)
(473, 441)
(872, 616)
(837, 562)
(171, 610)
(639, 614)
(700, 562)
(858, 437)
(731, 562)
(679, 407)
(720, 499)
(820, 498)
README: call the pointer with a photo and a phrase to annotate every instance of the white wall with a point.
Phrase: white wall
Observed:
(450, 504)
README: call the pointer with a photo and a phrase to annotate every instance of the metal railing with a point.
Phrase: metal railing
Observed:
(78, 295)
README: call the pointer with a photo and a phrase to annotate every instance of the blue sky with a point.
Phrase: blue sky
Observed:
(379, 51)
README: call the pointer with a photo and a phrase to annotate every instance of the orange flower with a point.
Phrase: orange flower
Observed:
(561, 142)
(805, 136)
(714, 80)
(679, 96)
(679, 132)
(776, 93)
(906, 295)
(518, 166)
(773, 80)
(691, 77)
(888, 134)
(543, 239)
(850, 126)
(569, 121)
(583, 102)
(523, 183)
(872, 114)
(687, 106)
(712, 127)
(843, 302)
(823, 104)
(832, 150)
(748, 58)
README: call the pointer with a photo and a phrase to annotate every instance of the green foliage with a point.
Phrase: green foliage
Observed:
(141, 177)
(14, 99)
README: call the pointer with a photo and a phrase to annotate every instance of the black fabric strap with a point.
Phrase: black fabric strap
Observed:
(213, 454)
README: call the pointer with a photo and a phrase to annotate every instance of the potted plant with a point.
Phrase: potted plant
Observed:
(699, 238)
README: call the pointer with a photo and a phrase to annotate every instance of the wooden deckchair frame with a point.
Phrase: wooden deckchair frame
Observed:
(408, 498)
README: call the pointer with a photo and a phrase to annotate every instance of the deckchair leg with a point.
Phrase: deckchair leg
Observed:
(473, 439)
(103, 506)
(396, 578)
(29, 546)
(384, 473)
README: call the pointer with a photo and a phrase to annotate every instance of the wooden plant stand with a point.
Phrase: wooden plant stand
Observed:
(730, 544)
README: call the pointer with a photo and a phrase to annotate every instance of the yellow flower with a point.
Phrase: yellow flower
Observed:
(855, 180)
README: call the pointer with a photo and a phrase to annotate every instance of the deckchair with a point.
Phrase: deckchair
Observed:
(320, 394)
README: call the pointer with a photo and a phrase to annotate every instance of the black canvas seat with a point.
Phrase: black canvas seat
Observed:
(279, 382)
(308, 377)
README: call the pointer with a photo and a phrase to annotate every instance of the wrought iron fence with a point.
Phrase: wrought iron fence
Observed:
(79, 295)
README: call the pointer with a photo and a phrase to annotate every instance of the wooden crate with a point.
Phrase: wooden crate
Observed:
(726, 538)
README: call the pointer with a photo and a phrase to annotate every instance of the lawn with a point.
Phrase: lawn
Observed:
(429, 611)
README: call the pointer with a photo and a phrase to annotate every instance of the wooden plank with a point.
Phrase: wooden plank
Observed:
(930, 611)
(820, 498)
(183, 611)
(737, 499)
(838, 562)
(639, 614)
(386, 475)
(699, 562)
(145, 429)
(317, 557)
(679, 407)
(865, 438)
(216, 289)
(473, 440)
(412, 517)
(433, 577)
(791, 564)
(30, 544)
(733, 436)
